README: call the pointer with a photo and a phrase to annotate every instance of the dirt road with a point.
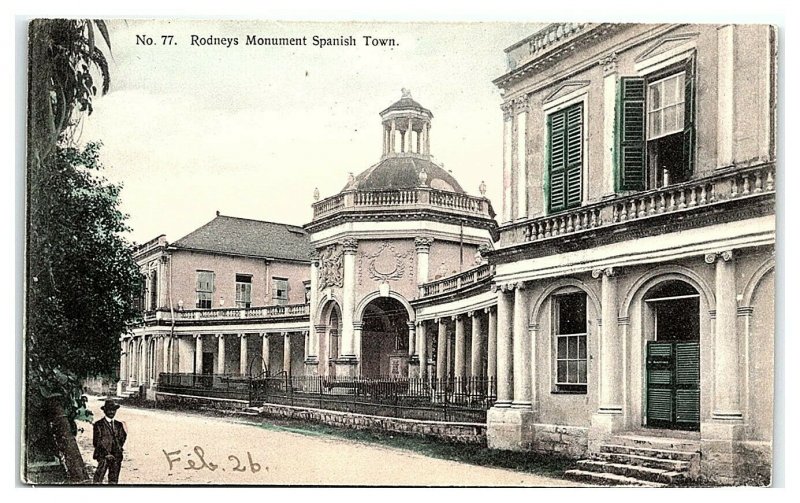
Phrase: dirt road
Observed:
(166, 447)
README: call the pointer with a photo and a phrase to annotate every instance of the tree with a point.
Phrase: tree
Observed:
(81, 277)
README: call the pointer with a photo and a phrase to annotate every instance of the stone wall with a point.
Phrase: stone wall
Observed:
(464, 433)
(567, 441)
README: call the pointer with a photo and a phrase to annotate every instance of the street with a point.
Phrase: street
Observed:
(167, 447)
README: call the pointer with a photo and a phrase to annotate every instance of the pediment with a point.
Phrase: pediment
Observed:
(666, 44)
(566, 89)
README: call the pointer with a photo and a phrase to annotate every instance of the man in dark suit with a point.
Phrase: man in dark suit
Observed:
(109, 437)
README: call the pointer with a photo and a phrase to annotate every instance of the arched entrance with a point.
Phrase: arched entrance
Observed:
(384, 339)
(672, 366)
(329, 331)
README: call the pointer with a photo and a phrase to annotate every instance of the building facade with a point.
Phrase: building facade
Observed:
(627, 294)
(635, 267)
(230, 298)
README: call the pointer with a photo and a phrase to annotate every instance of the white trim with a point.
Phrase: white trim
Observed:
(568, 99)
(666, 58)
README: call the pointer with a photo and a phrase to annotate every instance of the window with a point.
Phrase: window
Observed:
(153, 291)
(564, 158)
(205, 289)
(569, 319)
(655, 134)
(243, 290)
(280, 291)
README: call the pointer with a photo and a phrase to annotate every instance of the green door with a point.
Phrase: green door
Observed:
(673, 385)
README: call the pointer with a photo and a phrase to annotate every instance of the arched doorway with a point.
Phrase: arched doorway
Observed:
(329, 337)
(384, 339)
(672, 356)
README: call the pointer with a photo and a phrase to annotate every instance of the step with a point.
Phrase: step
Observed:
(648, 461)
(609, 479)
(252, 410)
(654, 442)
(678, 455)
(638, 472)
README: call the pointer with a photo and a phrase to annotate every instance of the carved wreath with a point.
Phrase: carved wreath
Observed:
(386, 263)
(331, 267)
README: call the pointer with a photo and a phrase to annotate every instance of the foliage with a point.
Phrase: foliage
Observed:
(81, 277)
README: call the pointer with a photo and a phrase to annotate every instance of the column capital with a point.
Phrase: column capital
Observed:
(412, 325)
(242, 336)
(609, 64)
(507, 108)
(349, 246)
(198, 336)
(321, 328)
(521, 104)
(220, 336)
(285, 333)
(423, 244)
(314, 255)
(725, 255)
(606, 271)
(358, 325)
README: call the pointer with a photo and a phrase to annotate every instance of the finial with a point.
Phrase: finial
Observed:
(217, 212)
(423, 177)
(406, 92)
(350, 178)
(482, 188)
(316, 193)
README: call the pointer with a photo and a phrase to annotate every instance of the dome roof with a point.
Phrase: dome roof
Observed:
(403, 172)
(406, 103)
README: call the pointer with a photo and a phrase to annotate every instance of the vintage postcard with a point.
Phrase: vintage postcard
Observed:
(420, 254)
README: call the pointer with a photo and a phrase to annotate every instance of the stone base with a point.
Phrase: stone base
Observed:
(346, 367)
(413, 368)
(150, 393)
(720, 453)
(510, 429)
(311, 367)
(603, 427)
(120, 387)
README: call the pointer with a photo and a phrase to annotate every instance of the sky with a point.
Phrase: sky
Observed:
(250, 131)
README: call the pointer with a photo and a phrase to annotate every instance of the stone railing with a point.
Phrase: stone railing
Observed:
(416, 198)
(228, 313)
(540, 41)
(457, 281)
(731, 184)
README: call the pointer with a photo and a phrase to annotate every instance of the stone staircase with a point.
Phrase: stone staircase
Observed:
(644, 461)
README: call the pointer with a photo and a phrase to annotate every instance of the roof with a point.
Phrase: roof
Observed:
(242, 236)
(407, 103)
(402, 172)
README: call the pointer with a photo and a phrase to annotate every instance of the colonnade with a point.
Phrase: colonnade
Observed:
(144, 357)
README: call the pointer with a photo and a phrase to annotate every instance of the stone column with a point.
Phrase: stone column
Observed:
(123, 360)
(392, 136)
(312, 354)
(423, 247)
(265, 353)
(143, 376)
(491, 347)
(166, 355)
(721, 456)
(476, 351)
(350, 247)
(505, 378)
(441, 350)
(428, 138)
(460, 349)
(198, 353)
(287, 353)
(726, 343)
(412, 339)
(220, 353)
(726, 47)
(507, 181)
(608, 418)
(243, 354)
(609, 64)
(422, 351)
(410, 133)
(521, 350)
(521, 156)
(610, 345)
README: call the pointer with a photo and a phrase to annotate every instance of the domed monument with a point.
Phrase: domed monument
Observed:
(398, 224)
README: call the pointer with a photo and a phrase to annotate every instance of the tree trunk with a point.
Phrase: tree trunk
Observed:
(66, 443)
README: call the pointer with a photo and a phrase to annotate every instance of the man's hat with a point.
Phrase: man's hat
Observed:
(110, 405)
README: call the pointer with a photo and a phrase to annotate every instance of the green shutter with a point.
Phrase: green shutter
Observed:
(630, 152)
(688, 118)
(565, 158)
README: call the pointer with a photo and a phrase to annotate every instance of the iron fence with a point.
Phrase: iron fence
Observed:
(443, 399)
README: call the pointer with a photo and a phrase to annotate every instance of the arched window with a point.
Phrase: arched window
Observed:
(569, 331)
